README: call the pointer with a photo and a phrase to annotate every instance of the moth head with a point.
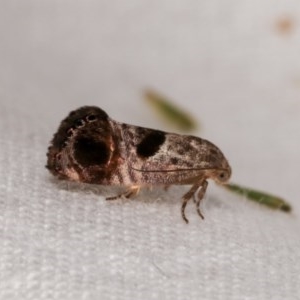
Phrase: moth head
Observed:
(219, 169)
(83, 146)
(222, 176)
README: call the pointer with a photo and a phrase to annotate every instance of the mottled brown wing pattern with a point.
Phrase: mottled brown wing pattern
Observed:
(90, 147)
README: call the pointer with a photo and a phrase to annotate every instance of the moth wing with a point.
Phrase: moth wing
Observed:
(172, 158)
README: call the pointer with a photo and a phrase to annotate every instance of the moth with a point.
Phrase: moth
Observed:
(91, 147)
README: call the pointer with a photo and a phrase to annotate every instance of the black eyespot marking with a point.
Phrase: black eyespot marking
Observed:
(79, 123)
(89, 152)
(91, 118)
(150, 144)
(68, 125)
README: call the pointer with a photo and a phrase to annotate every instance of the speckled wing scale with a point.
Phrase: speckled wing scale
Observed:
(91, 147)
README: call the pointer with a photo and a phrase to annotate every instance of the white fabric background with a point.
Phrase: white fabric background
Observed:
(222, 60)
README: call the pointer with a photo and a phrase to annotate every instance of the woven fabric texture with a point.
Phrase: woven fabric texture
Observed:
(234, 64)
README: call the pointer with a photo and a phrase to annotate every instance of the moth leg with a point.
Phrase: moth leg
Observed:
(194, 199)
(186, 197)
(115, 197)
(200, 196)
(130, 192)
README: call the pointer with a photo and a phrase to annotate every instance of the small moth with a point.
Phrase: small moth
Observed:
(90, 147)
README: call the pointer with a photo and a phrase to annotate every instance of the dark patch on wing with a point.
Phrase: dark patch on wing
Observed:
(214, 152)
(174, 160)
(150, 144)
(90, 152)
(212, 159)
(75, 120)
